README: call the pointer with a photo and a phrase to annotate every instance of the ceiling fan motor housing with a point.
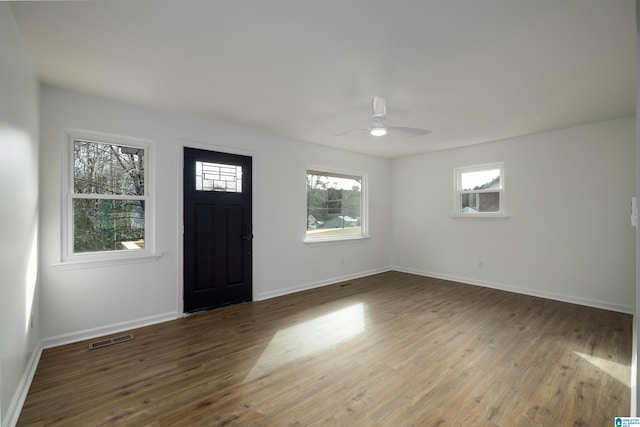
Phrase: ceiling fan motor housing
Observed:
(379, 108)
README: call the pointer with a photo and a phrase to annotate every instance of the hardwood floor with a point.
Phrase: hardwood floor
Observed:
(387, 350)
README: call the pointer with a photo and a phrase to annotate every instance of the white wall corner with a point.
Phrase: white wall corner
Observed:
(13, 412)
(634, 370)
(523, 291)
(261, 296)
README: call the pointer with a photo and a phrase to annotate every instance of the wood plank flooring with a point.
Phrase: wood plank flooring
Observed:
(392, 349)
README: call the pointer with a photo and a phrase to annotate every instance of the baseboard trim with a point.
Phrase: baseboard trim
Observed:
(524, 291)
(13, 412)
(304, 287)
(107, 330)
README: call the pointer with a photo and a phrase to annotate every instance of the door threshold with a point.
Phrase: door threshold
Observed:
(210, 309)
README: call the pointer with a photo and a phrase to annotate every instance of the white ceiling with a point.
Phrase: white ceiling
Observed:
(471, 71)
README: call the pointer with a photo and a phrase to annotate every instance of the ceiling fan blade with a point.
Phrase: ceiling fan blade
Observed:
(408, 131)
(350, 132)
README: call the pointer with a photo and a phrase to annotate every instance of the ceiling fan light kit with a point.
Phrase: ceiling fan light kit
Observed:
(378, 128)
(378, 131)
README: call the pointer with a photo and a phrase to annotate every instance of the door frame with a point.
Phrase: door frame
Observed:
(182, 144)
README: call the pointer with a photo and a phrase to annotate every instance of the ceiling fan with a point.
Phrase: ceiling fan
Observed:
(379, 127)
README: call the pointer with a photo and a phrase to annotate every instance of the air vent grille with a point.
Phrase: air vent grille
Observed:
(110, 341)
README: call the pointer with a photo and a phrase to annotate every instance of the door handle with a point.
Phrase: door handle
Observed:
(246, 237)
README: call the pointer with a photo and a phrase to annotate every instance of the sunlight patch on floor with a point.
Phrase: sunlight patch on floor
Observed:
(618, 371)
(308, 338)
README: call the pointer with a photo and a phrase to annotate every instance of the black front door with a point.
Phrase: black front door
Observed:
(217, 229)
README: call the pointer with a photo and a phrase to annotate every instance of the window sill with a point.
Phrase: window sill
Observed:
(342, 240)
(481, 216)
(104, 262)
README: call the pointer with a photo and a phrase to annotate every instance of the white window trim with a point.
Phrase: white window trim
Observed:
(457, 208)
(364, 209)
(69, 260)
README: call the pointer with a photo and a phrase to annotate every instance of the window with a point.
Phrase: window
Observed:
(479, 191)
(336, 205)
(108, 211)
(218, 177)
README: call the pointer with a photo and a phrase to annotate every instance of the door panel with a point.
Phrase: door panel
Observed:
(204, 222)
(235, 229)
(217, 229)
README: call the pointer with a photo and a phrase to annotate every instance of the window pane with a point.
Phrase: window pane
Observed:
(333, 204)
(107, 225)
(218, 177)
(100, 168)
(480, 180)
(480, 202)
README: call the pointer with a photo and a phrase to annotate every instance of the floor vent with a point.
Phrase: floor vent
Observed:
(110, 341)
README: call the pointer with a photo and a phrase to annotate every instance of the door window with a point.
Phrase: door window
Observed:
(218, 177)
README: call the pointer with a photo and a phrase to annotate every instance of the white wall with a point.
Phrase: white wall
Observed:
(635, 372)
(569, 235)
(89, 302)
(18, 215)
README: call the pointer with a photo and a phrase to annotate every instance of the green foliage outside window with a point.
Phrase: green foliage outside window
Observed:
(108, 197)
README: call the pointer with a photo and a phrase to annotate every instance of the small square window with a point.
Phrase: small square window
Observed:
(479, 190)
